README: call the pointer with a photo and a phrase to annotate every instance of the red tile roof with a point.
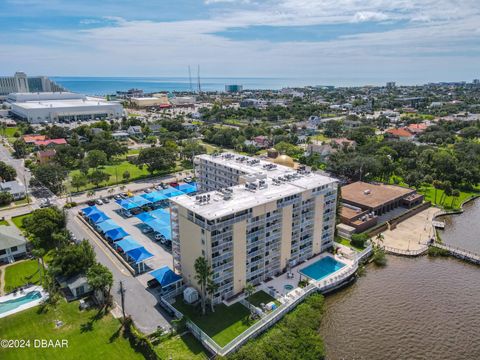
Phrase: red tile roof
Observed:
(50, 141)
(33, 138)
(399, 132)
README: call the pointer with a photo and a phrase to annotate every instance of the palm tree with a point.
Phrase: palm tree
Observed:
(249, 290)
(90, 193)
(39, 253)
(455, 194)
(202, 274)
(436, 185)
(380, 237)
(212, 288)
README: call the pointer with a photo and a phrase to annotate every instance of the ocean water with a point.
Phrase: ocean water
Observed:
(109, 85)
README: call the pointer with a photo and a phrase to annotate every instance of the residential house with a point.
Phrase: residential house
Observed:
(15, 188)
(45, 156)
(262, 141)
(416, 129)
(50, 142)
(31, 139)
(135, 131)
(120, 135)
(155, 128)
(74, 287)
(399, 134)
(12, 244)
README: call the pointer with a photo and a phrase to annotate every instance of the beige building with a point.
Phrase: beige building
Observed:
(267, 218)
(155, 100)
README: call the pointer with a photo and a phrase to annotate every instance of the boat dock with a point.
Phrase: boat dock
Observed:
(438, 224)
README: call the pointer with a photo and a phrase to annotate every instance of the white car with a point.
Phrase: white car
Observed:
(159, 237)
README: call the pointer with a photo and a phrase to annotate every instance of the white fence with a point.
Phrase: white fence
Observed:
(395, 251)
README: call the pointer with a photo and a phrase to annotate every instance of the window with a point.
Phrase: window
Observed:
(14, 248)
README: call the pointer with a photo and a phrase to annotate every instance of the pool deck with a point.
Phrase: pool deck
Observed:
(19, 294)
(276, 286)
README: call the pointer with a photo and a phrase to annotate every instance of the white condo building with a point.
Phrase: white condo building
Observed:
(20, 82)
(254, 220)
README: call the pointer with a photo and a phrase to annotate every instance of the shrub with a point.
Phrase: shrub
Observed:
(5, 198)
(359, 240)
(138, 341)
(434, 251)
(379, 257)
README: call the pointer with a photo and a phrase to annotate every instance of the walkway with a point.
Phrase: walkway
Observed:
(460, 253)
(410, 237)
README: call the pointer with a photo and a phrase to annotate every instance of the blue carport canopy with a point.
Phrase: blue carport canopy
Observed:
(154, 197)
(145, 216)
(161, 228)
(97, 217)
(127, 204)
(161, 214)
(187, 188)
(139, 254)
(88, 210)
(165, 276)
(115, 234)
(107, 225)
(127, 244)
(140, 201)
(171, 192)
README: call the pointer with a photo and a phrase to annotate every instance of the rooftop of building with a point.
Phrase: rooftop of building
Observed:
(248, 164)
(268, 188)
(64, 103)
(373, 195)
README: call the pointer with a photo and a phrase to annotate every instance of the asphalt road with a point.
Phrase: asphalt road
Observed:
(139, 302)
(22, 174)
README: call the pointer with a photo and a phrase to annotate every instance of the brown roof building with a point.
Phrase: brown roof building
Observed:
(379, 198)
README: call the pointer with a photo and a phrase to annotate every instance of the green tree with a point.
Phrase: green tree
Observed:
(43, 224)
(79, 180)
(455, 195)
(212, 288)
(249, 291)
(96, 158)
(5, 198)
(126, 175)
(7, 172)
(73, 260)
(203, 273)
(20, 148)
(100, 278)
(97, 176)
(156, 159)
(49, 175)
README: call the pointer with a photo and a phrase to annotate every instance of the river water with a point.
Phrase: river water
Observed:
(414, 308)
(463, 230)
(420, 308)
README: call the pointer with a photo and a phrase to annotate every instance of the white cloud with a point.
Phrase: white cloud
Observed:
(437, 32)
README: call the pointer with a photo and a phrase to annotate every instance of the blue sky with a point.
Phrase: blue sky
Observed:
(369, 41)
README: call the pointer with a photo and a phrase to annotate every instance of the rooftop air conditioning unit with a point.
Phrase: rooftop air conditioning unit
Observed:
(367, 192)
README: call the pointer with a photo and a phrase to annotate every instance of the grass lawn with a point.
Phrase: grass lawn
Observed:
(223, 325)
(346, 242)
(183, 347)
(319, 137)
(89, 337)
(4, 222)
(261, 297)
(18, 221)
(429, 194)
(21, 273)
(21, 202)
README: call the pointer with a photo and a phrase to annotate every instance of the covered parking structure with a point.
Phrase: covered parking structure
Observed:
(155, 197)
(115, 234)
(161, 214)
(160, 227)
(107, 225)
(96, 217)
(138, 257)
(167, 280)
(171, 192)
(88, 210)
(140, 201)
(187, 188)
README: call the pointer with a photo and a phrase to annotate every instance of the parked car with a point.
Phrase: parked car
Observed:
(147, 230)
(98, 202)
(45, 203)
(90, 202)
(117, 197)
(159, 237)
(148, 191)
(105, 200)
(188, 179)
(127, 213)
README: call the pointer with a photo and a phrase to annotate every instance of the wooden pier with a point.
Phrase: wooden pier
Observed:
(460, 253)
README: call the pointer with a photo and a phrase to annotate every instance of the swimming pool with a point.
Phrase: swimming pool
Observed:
(12, 304)
(322, 268)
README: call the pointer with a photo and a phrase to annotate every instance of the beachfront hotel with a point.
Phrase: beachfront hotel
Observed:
(252, 220)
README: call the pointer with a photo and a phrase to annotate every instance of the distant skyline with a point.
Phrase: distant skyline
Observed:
(350, 42)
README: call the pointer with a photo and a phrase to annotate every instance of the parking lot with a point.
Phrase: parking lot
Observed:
(161, 254)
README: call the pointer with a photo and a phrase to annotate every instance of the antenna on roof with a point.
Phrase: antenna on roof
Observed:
(198, 80)
(190, 78)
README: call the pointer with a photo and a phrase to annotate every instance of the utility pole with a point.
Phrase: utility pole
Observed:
(122, 294)
(198, 80)
(190, 78)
